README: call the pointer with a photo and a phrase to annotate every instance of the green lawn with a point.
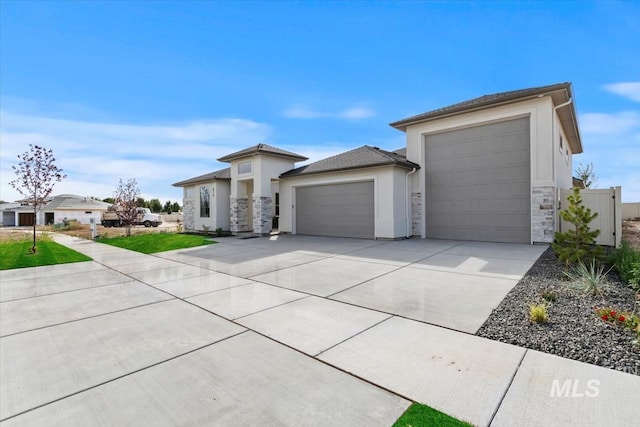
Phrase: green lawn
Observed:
(418, 415)
(157, 242)
(16, 254)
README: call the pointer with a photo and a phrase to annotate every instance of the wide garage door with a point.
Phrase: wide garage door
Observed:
(342, 210)
(26, 219)
(478, 183)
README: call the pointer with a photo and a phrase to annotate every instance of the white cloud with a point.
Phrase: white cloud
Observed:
(356, 112)
(612, 143)
(630, 90)
(610, 124)
(95, 155)
(302, 112)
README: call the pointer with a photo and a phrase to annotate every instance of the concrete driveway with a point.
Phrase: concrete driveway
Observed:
(250, 332)
(446, 283)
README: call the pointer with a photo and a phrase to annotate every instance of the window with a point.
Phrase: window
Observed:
(88, 212)
(277, 204)
(189, 193)
(244, 167)
(205, 202)
(566, 156)
(561, 143)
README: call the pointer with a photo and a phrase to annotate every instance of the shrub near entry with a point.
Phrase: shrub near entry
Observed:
(590, 278)
(579, 244)
(626, 261)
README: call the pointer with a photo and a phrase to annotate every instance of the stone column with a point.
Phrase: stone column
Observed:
(239, 221)
(416, 214)
(262, 215)
(189, 215)
(543, 200)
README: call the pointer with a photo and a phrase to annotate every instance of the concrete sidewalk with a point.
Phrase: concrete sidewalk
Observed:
(277, 333)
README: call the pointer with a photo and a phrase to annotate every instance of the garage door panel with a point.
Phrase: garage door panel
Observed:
(478, 183)
(344, 210)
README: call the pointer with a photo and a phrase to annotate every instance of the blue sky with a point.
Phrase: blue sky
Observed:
(157, 91)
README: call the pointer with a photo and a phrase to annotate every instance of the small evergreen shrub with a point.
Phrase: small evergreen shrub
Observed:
(579, 244)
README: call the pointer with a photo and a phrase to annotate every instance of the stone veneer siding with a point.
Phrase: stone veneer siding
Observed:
(262, 215)
(416, 214)
(543, 211)
(189, 214)
(239, 212)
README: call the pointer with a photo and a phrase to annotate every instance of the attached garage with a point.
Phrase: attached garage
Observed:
(26, 219)
(477, 183)
(8, 218)
(344, 209)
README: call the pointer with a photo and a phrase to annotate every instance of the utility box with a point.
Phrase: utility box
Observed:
(94, 228)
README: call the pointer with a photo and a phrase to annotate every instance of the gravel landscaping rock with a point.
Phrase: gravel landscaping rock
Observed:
(573, 330)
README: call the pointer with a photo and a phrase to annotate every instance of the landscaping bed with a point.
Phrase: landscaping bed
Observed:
(573, 330)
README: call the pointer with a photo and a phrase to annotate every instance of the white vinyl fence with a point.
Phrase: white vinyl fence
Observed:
(631, 211)
(607, 203)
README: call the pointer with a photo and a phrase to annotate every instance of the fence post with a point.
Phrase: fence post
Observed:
(617, 210)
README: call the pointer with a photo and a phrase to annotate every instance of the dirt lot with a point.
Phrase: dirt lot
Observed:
(84, 231)
(631, 233)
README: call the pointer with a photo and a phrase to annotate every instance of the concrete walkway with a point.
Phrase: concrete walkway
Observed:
(287, 330)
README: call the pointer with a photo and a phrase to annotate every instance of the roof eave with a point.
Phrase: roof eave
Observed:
(230, 158)
(574, 139)
(190, 182)
(569, 120)
(349, 168)
(463, 109)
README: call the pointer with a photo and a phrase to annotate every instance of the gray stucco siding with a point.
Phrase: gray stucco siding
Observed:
(477, 183)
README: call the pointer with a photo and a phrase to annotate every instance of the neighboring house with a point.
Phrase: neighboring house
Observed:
(7, 214)
(57, 209)
(577, 182)
(488, 169)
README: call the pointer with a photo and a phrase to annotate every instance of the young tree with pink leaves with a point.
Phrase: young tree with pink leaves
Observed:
(37, 174)
(125, 202)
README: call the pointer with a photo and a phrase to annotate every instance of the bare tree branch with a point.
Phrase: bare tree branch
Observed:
(587, 174)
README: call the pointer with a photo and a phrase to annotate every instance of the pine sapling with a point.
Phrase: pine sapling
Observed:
(577, 244)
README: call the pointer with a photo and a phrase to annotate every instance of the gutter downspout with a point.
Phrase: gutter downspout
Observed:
(553, 159)
(408, 210)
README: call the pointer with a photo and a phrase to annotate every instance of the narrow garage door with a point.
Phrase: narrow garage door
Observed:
(342, 210)
(478, 183)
